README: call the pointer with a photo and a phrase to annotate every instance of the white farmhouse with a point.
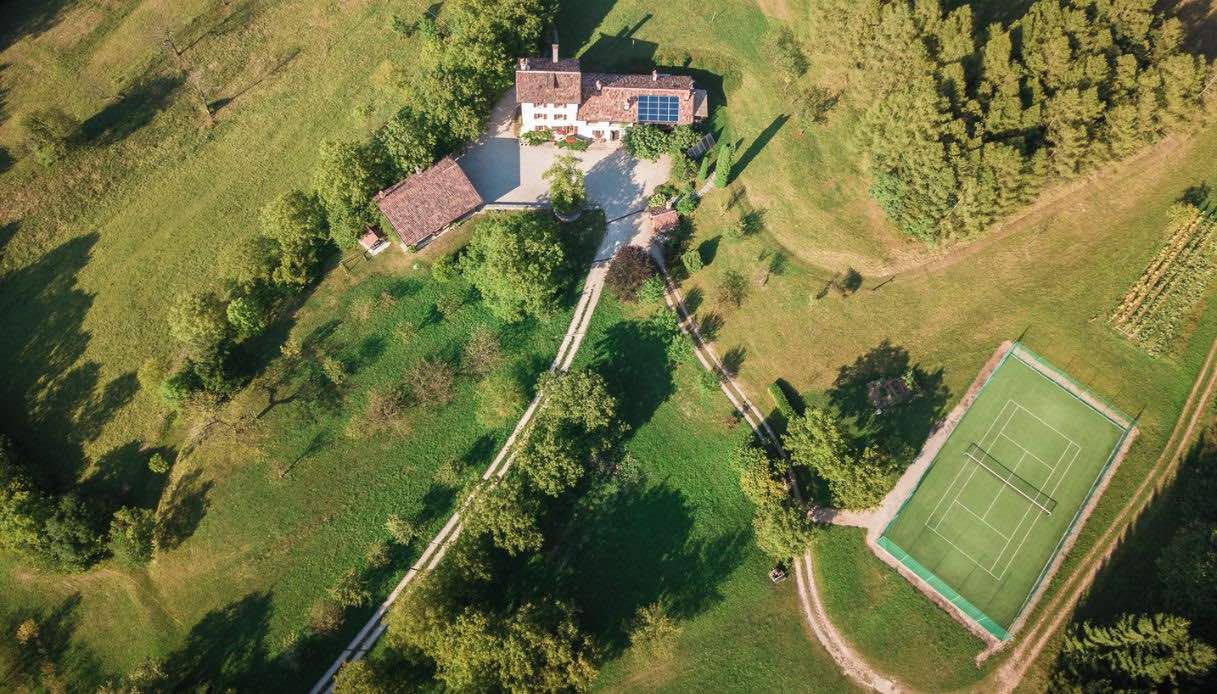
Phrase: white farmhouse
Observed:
(556, 95)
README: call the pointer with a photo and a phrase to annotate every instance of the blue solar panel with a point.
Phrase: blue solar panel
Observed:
(658, 109)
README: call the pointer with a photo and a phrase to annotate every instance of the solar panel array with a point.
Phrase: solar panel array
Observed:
(658, 109)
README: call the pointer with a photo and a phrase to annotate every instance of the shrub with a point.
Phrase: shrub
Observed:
(445, 268)
(703, 171)
(687, 203)
(131, 533)
(248, 316)
(49, 133)
(482, 353)
(349, 590)
(401, 530)
(335, 371)
(325, 617)
(384, 407)
(732, 288)
(157, 464)
(683, 168)
(178, 388)
(657, 200)
(628, 271)
(432, 382)
(499, 397)
(198, 320)
(722, 167)
(682, 138)
(691, 259)
(652, 290)
(574, 144)
(537, 137)
(654, 632)
(646, 142)
(449, 304)
(377, 554)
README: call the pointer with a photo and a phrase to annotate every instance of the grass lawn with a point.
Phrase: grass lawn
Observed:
(685, 538)
(901, 632)
(263, 516)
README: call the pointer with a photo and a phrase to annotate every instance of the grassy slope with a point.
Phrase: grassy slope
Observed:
(686, 538)
(1052, 276)
(270, 515)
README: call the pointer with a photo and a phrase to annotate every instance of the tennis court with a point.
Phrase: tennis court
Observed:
(1006, 489)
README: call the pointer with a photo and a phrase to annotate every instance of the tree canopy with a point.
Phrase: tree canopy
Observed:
(856, 478)
(515, 261)
(1135, 653)
(963, 124)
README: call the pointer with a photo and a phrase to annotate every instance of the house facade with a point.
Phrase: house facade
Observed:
(556, 95)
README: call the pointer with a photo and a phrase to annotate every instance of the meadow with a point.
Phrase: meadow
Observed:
(836, 296)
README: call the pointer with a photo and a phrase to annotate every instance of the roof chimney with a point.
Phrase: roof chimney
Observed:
(524, 64)
(654, 75)
(555, 49)
(599, 85)
(627, 104)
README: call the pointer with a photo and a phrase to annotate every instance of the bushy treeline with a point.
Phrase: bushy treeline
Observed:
(965, 123)
(63, 532)
(466, 60)
(494, 615)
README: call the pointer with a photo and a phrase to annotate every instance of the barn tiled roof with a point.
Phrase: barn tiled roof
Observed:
(614, 98)
(665, 221)
(428, 201)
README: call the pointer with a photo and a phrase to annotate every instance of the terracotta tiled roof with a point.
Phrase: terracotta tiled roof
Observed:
(429, 201)
(542, 81)
(371, 238)
(665, 221)
(614, 98)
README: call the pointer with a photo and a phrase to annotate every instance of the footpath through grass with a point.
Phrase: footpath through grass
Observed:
(685, 538)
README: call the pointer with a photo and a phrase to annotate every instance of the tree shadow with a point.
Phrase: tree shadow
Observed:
(182, 510)
(1130, 580)
(55, 646)
(900, 429)
(758, 144)
(694, 298)
(1197, 195)
(132, 110)
(6, 157)
(226, 650)
(633, 359)
(709, 326)
(48, 397)
(641, 544)
(28, 18)
(1199, 24)
(709, 249)
(733, 360)
(121, 477)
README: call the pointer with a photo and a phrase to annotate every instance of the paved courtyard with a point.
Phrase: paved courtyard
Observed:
(504, 171)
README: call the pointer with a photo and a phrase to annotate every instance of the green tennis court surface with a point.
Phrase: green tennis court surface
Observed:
(1000, 497)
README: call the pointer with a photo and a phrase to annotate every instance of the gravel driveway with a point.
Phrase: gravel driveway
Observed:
(504, 171)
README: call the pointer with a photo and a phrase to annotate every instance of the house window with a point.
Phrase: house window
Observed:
(540, 116)
(559, 116)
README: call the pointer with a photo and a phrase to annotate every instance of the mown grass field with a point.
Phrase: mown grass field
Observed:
(686, 538)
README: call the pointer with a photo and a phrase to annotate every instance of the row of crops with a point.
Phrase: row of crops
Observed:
(1153, 311)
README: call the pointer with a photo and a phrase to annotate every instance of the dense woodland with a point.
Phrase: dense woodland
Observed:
(965, 123)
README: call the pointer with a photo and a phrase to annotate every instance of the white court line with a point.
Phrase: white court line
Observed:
(1036, 458)
(1077, 450)
(982, 520)
(959, 472)
(1041, 419)
(1036, 518)
(1001, 487)
(969, 556)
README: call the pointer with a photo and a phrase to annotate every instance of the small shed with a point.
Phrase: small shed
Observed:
(373, 240)
(428, 202)
(663, 221)
(887, 393)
